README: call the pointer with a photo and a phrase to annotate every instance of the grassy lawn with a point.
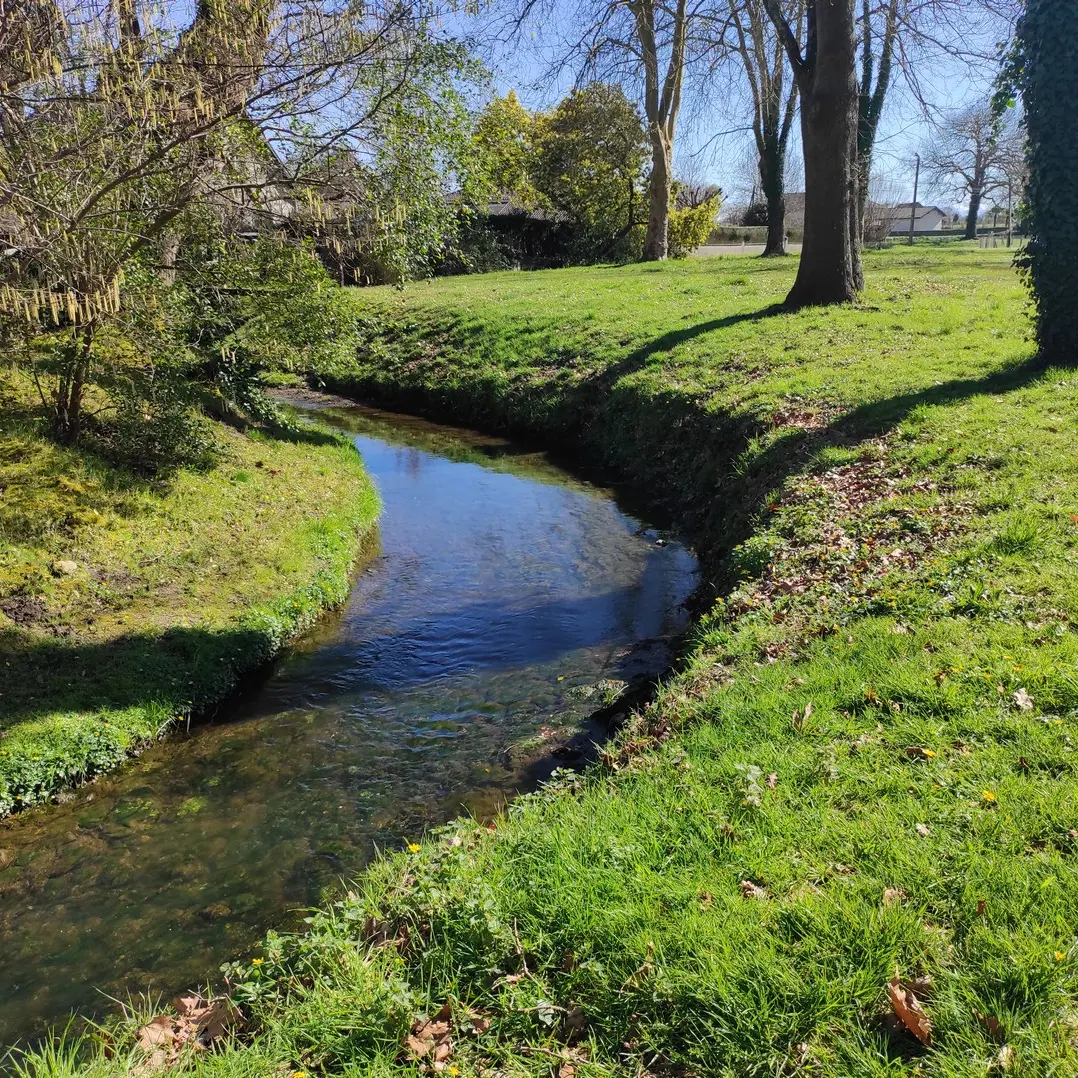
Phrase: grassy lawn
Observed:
(864, 774)
(125, 604)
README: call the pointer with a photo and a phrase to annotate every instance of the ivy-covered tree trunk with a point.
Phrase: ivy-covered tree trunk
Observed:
(974, 211)
(772, 183)
(1050, 85)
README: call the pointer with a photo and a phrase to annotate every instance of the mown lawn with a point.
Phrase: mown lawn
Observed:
(126, 603)
(865, 772)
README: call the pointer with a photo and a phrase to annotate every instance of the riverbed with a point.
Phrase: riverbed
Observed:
(500, 602)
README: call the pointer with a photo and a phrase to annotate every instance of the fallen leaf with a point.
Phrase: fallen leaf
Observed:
(910, 1012)
(923, 830)
(567, 1070)
(1005, 1058)
(982, 905)
(418, 1047)
(157, 1032)
(217, 1021)
(772, 780)
(1023, 700)
(752, 890)
(989, 1021)
(893, 895)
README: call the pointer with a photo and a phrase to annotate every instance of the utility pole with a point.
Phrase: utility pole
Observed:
(913, 204)
(1010, 194)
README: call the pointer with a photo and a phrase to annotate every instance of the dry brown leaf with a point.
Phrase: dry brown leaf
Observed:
(989, 1021)
(752, 890)
(892, 896)
(1023, 700)
(417, 1046)
(772, 780)
(909, 1010)
(443, 1050)
(923, 830)
(1005, 1058)
(567, 1070)
(157, 1032)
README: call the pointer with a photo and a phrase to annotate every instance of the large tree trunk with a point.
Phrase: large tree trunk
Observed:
(772, 181)
(656, 238)
(974, 211)
(830, 267)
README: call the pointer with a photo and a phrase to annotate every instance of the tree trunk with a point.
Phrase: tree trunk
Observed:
(75, 371)
(830, 266)
(857, 233)
(1046, 33)
(168, 247)
(655, 240)
(772, 180)
(974, 212)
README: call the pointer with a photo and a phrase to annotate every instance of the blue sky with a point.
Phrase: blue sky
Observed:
(712, 144)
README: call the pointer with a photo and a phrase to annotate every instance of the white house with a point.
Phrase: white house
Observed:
(925, 218)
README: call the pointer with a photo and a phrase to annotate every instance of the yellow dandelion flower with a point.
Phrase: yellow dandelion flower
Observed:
(257, 961)
(988, 795)
(414, 847)
(1060, 956)
(930, 753)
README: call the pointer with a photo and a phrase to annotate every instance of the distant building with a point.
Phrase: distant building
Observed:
(925, 218)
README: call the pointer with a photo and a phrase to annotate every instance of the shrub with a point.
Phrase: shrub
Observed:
(690, 227)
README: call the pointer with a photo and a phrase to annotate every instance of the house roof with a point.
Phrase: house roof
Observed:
(902, 209)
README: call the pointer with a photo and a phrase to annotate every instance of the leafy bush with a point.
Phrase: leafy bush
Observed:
(690, 227)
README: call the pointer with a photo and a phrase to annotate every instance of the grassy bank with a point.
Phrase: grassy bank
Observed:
(128, 604)
(861, 787)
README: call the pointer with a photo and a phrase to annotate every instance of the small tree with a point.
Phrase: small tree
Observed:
(591, 154)
(505, 141)
(774, 104)
(691, 224)
(115, 126)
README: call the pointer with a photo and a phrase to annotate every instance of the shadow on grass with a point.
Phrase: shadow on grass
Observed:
(173, 669)
(740, 493)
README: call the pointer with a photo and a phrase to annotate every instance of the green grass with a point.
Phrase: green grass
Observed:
(179, 588)
(866, 767)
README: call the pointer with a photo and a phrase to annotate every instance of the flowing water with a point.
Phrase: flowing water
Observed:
(495, 594)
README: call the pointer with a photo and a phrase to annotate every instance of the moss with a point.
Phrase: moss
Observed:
(127, 605)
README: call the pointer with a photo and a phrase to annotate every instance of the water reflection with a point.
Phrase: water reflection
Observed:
(497, 584)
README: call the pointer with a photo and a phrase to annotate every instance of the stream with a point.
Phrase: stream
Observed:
(496, 597)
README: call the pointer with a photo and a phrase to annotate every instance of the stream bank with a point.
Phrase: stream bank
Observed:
(500, 606)
(128, 604)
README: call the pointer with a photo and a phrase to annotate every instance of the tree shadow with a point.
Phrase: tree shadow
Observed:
(667, 342)
(741, 492)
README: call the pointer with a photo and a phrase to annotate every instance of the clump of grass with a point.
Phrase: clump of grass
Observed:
(1019, 535)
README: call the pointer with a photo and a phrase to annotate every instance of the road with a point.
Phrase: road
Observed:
(710, 250)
